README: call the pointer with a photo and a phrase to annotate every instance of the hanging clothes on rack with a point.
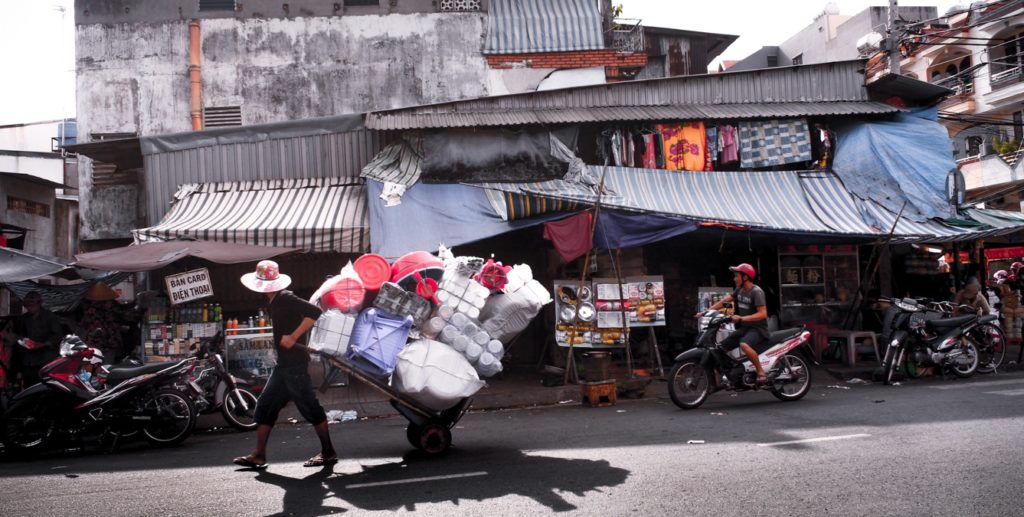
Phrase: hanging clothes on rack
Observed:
(728, 145)
(684, 146)
(659, 150)
(767, 143)
(711, 153)
(649, 162)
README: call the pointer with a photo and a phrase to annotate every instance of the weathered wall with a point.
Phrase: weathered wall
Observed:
(132, 77)
(40, 237)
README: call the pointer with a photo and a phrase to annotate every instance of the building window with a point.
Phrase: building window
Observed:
(351, 3)
(974, 145)
(222, 116)
(216, 5)
(798, 60)
(772, 61)
(27, 206)
(1018, 127)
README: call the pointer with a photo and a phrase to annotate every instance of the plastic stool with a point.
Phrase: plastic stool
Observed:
(851, 338)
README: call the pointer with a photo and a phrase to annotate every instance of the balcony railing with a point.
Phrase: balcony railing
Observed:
(627, 35)
(1005, 75)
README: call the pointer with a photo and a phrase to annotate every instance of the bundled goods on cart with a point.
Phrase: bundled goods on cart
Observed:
(434, 324)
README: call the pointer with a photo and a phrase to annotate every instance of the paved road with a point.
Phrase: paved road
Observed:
(929, 447)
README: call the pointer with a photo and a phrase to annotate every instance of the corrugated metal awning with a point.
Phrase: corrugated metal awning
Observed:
(397, 163)
(313, 215)
(524, 26)
(400, 120)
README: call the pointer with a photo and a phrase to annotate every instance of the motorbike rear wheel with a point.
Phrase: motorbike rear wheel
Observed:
(177, 419)
(242, 418)
(971, 366)
(800, 379)
(27, 426)
(689, 384)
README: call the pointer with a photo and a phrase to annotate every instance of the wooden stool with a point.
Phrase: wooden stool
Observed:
(598, 394)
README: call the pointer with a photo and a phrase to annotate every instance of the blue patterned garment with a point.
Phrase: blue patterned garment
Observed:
(766, 143)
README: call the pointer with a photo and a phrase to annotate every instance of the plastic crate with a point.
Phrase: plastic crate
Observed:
(395, 300)
(332, 332)
(377, 338)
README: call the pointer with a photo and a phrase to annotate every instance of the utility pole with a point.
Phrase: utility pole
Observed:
(893, 38)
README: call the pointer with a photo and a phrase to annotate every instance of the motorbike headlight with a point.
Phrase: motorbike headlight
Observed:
(907, 305)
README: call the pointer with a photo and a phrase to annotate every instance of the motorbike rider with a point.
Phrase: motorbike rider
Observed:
(750, 317)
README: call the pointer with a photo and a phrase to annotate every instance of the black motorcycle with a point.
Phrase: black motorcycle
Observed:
(708, 367)
(213, 388)
(130, 401)
(920, 335)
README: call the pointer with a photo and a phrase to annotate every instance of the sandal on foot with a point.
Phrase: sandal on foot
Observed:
(320, 461)
(249, 463)
(762, 379)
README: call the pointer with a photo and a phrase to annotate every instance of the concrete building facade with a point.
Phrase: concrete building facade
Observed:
(147, 68)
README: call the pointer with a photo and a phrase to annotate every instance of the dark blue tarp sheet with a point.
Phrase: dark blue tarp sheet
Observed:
(905, 160)
(626, 230)
(433, 214)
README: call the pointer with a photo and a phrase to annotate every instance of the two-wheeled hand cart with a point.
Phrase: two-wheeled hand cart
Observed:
(429, 431)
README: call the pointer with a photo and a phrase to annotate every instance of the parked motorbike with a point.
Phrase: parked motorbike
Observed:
(708, 367)
(130, 401)
(919, 336)
(213, 388)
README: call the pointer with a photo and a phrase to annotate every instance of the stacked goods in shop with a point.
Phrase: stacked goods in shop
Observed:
(332, 333)
(435, 375)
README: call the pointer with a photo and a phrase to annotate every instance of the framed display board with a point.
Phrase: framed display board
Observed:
(646, 301)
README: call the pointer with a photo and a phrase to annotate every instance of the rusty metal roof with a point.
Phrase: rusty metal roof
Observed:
(806, 90)
(624, 113)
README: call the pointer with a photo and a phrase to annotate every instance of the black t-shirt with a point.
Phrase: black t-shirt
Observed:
(747, 301)
(288, 311)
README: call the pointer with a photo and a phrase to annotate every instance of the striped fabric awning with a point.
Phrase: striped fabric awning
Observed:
(525, 26)
(813, 202)
(397, 163)
(313, 214)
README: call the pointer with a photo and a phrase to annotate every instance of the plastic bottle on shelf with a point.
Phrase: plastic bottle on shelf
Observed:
(206, 313)
(261, 320)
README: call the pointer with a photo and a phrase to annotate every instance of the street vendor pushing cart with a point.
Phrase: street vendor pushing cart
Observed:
(292, 317)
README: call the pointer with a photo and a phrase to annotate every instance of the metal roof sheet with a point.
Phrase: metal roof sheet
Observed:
(401, 120)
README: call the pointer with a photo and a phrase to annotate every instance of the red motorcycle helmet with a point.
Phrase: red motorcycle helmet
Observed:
(746, 269)
(1016, 266)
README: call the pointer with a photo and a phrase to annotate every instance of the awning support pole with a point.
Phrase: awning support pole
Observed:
(872, 270)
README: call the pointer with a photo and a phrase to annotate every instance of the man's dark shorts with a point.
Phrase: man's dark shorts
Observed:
(750, 336)
(289, 384)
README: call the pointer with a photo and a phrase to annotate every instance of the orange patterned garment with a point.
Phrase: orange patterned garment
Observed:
(684, 145)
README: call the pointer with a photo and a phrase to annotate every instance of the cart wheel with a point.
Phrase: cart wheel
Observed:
(432, 438)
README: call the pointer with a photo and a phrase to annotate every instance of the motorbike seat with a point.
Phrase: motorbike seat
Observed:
(948, 323)
(783, 335)
(121, 374)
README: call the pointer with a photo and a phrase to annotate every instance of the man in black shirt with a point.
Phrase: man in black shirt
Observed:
(750, 316)
(41, 327)
(292, 317)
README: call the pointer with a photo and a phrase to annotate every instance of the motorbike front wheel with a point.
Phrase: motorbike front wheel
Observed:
(891, 363)
(689, 384)
(239, 409)
(991, 345)
(175, 418)
(28, 426)
(795, 379)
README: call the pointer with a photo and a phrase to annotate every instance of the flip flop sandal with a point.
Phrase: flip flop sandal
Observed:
(320, 461)
(247, 462)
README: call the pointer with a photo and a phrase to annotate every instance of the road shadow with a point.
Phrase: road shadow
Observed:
(479, 475)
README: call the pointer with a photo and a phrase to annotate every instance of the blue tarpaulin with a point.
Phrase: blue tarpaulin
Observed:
(905, 160)
(433, 214)
(626, 230)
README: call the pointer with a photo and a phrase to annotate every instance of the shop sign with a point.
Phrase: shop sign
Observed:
(1004, 253)
(188, 286)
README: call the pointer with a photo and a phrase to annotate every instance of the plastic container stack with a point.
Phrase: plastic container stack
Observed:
(464, 335)
(332, 333)
(463, 294)
(395, 300)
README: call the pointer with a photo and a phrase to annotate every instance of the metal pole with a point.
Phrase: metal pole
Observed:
(893, 39)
